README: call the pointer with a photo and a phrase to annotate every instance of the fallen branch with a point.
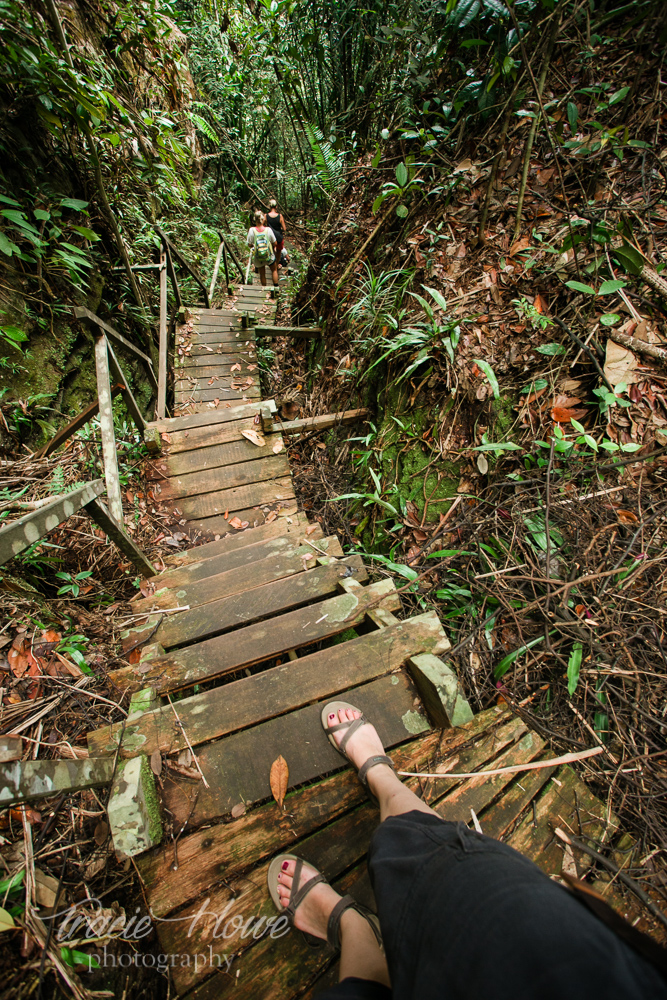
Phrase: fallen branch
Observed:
(190, 748)
(639, 346)
(567, 758)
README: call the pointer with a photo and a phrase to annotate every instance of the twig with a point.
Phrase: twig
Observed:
(185, 737)
(139, 642)
(639, 346)
(567, 758)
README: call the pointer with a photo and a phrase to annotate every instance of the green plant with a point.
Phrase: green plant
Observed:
(530, 315)
(72, 583)
(74, 646)
(406, 181)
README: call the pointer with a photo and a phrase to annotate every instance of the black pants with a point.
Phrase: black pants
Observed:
(465, 917)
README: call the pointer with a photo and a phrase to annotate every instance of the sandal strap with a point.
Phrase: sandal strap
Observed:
(297, 896)
(352, 728)
(349, 903)
(371, 762)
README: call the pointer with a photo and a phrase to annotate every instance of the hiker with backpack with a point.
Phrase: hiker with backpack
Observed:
(262, 239)
(277, 223)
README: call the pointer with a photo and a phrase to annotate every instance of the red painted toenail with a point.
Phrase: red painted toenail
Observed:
(332, 716)
(285, 864)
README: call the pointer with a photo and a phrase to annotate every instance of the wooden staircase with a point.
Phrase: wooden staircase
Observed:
(276, 620)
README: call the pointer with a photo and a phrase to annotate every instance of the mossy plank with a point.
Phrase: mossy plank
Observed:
(222, 416)
(232, 499)
(255, 643)
(238, 540)
(204, 437)
(133, 809)
(440, 691)
(215, 586)
(251, 700)
(501, 815)
(23, 781)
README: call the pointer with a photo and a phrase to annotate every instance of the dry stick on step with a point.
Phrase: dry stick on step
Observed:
(612, 867)
(639, 346)
(185, 737)
(567, 758)
(139, 642)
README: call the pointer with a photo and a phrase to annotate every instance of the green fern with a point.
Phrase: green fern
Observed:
(328, 163)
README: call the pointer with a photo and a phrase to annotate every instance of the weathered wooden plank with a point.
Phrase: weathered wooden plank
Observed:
(210, 479)
(201, 397)
(224, 389)
(217, 526)
(478, 793)
(251, 700)
(226, 613)
(109, 455)
(116, 532)
(65, 433)
(567, 803)
(210, 855)
(221, 366)
(117, 338)
(237, 767)
(255, 643)
(235, 542)
(221, 335)
(497, 818)
(26, 780)
(214, 354)
(18, 535)
(287, 331)
(221, 456)
(233, 499)
(222, 416)
(322, 423)
(202, 437)
(242, 559)
(223, 583)
(130, 401)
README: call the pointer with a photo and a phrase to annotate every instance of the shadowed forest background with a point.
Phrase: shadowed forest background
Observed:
(475, 195)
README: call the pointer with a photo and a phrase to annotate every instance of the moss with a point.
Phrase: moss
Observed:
(152, 801)
(349, 633)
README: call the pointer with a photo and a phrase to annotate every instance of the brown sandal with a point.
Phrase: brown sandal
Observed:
(332, 709)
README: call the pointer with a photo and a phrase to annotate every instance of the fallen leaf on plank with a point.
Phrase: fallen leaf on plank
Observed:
(238, 810)
(278, 779)
(254, 437)
(156, 762)
(278, 446)
(235, 368)
(237, 523)
(311, 528)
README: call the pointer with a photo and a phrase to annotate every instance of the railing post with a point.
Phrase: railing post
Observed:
(215, 271)
(109, 456)
(163, 349)
(226, 269)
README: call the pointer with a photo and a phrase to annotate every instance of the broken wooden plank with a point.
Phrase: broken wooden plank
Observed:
(196, 420)
(217, 566)
(81, 419)
(133, 809)
(80, 312)
(177, 441)
(236, 541)
(210, 479)
(255, 643)
(109, 451)
(18, 535)
(107, 522)
(440, 691)
(322, 423)
(251, 700)
(237, 767)
(499, 817)
(232, 499)
(11, 748)
(24, 781)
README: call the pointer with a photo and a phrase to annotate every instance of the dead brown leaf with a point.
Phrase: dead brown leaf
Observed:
(237, 523)
(278, 447)
(238, 810)
(156, 762)
(278, 779)
(254, 437)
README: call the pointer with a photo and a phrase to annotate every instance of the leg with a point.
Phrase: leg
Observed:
(394, 797)
(262, 274)
(274, 271)
(360, 956)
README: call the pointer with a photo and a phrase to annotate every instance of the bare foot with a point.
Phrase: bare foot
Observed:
(363, 744)
(312, 915)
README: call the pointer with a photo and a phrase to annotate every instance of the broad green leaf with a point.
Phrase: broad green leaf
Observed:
(6, 920)
(9, 201)
(402, 175)
(579, 286)
(630, 446)
(629, 258)
(591, 442)
(74, 203)
(551, 350)
(401, 211)
(448, 553)
(577, 426)
(490, 374)
(572, 115)
(378, 201)
(438, 296)
(13, 333)
(508, 660)
(618, 96)
(13, 882)
(87, 233)
(609, 319)
(573, 668)
(607, 287)
(72, 957)
(41, 214)
(499, 446)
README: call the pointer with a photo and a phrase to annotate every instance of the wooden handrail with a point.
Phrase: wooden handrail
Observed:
(80, 312)
(172, 274)
(231, 253)
(164, 347)
(216, 268)
(109, 455)
(183, 262)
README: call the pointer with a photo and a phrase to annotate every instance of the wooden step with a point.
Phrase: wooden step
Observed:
(196, 420)
(216, 366)
(224, 350)
(202, 437)
(233, 499)
(218, 456)
(215, 561)
(235, 541)
(225, 614)
(210, 479)
(251, 700)
(219, 392)
(218, 526)
(257, 643)
(221, 582)
(237, 767)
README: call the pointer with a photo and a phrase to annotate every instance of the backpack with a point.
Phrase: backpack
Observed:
(263, 251)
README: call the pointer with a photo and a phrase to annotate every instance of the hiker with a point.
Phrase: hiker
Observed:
(277, 224)
(461, 915)
(260, 236)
